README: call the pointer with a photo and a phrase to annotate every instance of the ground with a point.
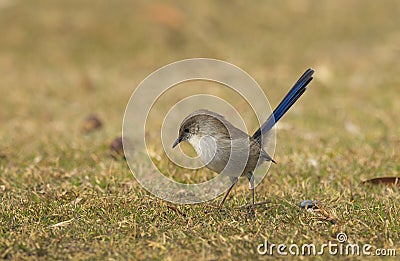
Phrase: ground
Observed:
(62, 196)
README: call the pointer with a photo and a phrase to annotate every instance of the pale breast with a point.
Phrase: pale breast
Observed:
(228, 157)
(205, 147)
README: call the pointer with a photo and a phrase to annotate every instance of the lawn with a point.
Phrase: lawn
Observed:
(63, 196)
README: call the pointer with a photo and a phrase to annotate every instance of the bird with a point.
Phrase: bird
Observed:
(227, 150)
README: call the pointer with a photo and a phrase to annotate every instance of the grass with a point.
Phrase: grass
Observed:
(63, 197)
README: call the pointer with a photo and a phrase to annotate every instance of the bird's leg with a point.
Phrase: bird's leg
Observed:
(234, 181)
(250, 177)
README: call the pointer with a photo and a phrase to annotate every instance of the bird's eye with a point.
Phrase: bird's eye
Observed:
(186, 130)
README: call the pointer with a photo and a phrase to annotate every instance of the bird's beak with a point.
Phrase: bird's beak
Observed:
(178, 140)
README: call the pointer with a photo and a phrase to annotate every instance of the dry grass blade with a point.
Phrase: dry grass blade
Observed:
(62, 224)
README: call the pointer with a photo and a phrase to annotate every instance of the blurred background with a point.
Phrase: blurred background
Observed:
(68, 68)
(60, 61)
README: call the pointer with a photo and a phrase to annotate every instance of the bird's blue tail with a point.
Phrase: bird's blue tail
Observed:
(297, 90)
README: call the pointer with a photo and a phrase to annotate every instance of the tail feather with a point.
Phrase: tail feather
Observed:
(291, 97)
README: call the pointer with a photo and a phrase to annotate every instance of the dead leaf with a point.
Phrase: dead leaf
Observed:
(91, 123)
(384, 180)
(117, 148)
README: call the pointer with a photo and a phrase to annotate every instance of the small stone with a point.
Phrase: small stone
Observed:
(309, 204)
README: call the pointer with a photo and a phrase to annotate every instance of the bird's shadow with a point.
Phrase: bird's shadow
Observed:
(247, 208)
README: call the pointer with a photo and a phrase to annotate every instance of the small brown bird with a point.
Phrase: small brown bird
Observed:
(227, 150)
